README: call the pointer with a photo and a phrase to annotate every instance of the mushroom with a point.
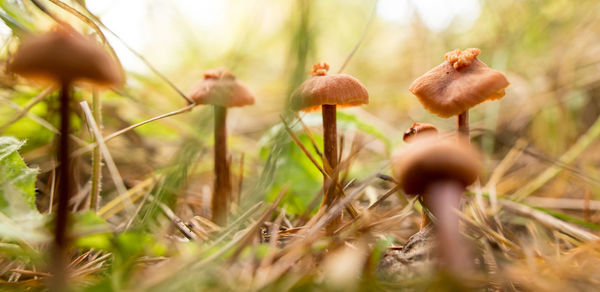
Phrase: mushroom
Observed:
(327, 92)
(458, 84)
(418, 131)
(440, 170)
(221, 89)
(64, 56)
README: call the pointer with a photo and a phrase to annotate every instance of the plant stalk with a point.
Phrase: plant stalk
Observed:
(330, 150)
(222, 188)
(96, 156)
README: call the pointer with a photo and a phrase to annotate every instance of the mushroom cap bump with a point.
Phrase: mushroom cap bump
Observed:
(337, 89)
(220, 87)
(418, 131)
(458, 84)
(432, 159)
(64, 55)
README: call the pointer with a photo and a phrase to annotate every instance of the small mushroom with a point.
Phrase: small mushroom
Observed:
(418, 131)
(221, 89)
(458, 84)
(327, 92)
(64, 56)
(439, 171)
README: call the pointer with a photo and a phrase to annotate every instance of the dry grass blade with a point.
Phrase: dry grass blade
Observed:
(564, 203)
(355, 148)
(118, 133)
(508, 161)
(375, 204)
(302, 147)
(137, 210)
(385, 196)
(292, 253)
(92, 266)
(41, 121)
(361, 40)
(334, 211)
(174, 218)
(52, 189)
(79, 259)
(202, 227)
(549, 221)
(194, 264)
(110, 164)
(28, 107)
(31, 273)
(230, 229)
(489, 232)
(580, 145)
(96, 156)
(169, 114)
(254, 229)
(308, 133)
(116, 205)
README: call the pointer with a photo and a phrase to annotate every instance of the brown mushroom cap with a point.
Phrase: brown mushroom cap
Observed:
(338, 89)
(458, 84)
(220, 87)
(433, 159)
(64, 55)
(419, 130)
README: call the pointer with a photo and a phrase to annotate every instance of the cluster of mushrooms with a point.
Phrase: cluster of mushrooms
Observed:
(435, 168)
(439, 169)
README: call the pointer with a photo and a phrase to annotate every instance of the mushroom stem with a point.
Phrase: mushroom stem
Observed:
(222, 188)
(61, 243)
(462, 123)
(330, 149)
(442, 198)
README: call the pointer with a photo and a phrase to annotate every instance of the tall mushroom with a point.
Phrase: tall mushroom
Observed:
(327, 92)
(221, 89)
(64, 56)
(416, 132)
(458, 84)
(440, 170)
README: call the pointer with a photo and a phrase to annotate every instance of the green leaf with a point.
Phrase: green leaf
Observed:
(20, 220)
(86, 223)
(294, 165)
(17, 181)
(131, 244)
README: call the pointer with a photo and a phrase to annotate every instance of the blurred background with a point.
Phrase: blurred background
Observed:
(549, 51)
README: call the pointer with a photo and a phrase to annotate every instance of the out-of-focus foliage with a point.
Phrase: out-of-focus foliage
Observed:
(17, 181)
